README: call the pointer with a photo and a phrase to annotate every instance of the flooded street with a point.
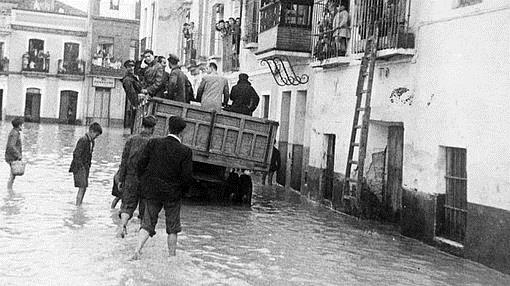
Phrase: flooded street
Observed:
(281, 240)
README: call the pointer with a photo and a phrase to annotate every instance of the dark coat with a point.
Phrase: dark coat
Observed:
(13, 148)
(244, 98)
(153, 79)
(132, 87)
(82, 155)
(177, 85)
(131, 155)
(165, 168)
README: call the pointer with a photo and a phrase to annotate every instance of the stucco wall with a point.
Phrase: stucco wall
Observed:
(459, 99)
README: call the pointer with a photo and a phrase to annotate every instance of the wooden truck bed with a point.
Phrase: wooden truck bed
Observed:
(218, 138)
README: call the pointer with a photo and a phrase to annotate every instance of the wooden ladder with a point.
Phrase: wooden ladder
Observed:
(363, 94)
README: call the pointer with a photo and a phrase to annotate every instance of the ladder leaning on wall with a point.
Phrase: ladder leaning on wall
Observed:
(353, 186)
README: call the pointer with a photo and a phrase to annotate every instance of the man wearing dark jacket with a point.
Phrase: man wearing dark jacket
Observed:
(165, 169)
(132, 86)
(82, 158)
(153, 76)
(128, 177)
(244, 97)
(177, 80)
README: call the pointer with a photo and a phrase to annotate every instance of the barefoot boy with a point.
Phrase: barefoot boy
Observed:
(82, 157)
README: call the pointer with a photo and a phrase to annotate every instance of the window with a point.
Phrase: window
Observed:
(133, 50)
(296, 15)
(455, 208)
(71, 52)
(114, 4)
(36, 59)
(104, 52)
(285, 12)
(1, 50)
(464, 3)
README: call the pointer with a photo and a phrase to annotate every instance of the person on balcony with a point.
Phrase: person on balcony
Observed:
(244, 97)
(176, 80)
(133, 87)
(212, 88)
(153, 84)
(341, 30)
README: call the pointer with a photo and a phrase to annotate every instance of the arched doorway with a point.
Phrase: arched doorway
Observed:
(68, 106)
(33, 105)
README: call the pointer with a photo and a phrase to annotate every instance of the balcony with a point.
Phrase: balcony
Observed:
(285, 28)
(71, 69)
(395, 38)
(4, 65)
(107, 66)
(35, 64)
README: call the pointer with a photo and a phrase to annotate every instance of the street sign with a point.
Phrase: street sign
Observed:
(107, 82)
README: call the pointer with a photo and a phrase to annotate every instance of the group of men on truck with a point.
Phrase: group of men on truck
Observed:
(149, 78)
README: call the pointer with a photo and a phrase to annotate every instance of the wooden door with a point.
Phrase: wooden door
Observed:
(329, 172)
(456, 194)
(33, 105)
(68, 106)
(1, 102)
(392, 198)
(102, 106)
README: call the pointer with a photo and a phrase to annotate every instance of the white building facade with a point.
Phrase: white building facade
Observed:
(437, 157)
(42, 62)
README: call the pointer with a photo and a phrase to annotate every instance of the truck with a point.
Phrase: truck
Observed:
(227, 147)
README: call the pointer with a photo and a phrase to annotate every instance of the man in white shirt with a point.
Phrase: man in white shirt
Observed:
(213, 90)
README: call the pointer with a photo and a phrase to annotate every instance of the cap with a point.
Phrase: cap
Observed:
(129, 63)
(173, 58)
(243, 76)
(149, 121)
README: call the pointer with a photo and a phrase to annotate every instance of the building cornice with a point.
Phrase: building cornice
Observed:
(127, 21)
(50, 12)
(48, 30)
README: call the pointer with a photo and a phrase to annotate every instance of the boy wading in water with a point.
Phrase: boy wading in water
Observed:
(128, 179)
(13, 148)
(82, 157)
(165, 170)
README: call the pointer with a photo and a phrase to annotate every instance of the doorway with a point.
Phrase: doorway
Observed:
(329, 172)
(298, 140)
(284, 137)
(33, 105)
(68, 106)
(102, 106)
(1, 102)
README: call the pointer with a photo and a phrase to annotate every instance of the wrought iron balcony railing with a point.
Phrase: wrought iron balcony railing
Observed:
(392, 18)
(35, 63)
(76, 67)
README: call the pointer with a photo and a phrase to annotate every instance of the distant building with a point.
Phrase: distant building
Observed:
(161, 24)
(59, 64)
(113, 39)
(41, 61)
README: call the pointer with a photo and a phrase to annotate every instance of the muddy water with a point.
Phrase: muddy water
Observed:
(281, 240)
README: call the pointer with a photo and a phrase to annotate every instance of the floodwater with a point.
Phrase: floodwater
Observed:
(280, 240)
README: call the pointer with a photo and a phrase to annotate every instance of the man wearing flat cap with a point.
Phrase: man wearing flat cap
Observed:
(176, 81)
(132, 86)
(128, 179)
(165, 170)
(244, 97)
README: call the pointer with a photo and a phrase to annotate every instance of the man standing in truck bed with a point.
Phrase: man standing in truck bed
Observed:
(213, 90)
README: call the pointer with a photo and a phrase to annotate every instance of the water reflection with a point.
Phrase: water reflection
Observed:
(281, 240)
(77, 218)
